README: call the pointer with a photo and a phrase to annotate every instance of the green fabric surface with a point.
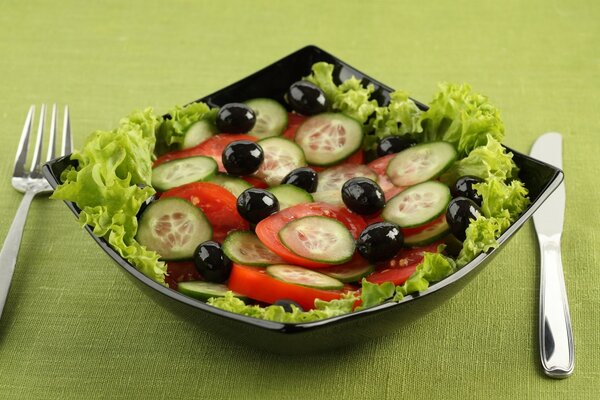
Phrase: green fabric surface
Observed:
(74, 326)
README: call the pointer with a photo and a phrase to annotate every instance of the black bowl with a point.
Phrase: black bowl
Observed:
(540, 178)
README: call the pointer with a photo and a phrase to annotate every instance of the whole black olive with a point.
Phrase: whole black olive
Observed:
(363, 196)
(235, 118)
(304, 178)
(242, 157)
(306, 98)
(393, 145)
(257, 204)
(380, 241)
(464, 187)
(211, 262)
(460, 211)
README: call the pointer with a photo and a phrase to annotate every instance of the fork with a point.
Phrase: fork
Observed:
(30, 182)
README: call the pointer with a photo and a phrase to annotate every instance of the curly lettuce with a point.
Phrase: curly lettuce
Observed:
(172, 131)
(111, 182)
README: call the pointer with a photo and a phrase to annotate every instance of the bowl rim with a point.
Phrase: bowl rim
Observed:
(286, 328)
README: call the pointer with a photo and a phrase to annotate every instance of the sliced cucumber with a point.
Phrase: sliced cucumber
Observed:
(318, 238)
(418, 204)
(245, 248)
(334, 178)
(290, 195)
(329, 138)
(235, 185)
(303, 277)
(271, 118)
(181, 171)
(352, 272)
(333, 197)
(429, 235)
(421, 163)
(197, 133)
(173, 227)
(281, 157)
(202, 290)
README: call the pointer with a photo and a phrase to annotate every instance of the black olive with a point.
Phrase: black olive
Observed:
(306, 98)
(287, 305)
(393, 145)
(460, 211)
(211, 262)
(464, 187)
(303, 177)
(363, 196)
(235, 118)
(380, 241)
(242, 157)
(257, 204)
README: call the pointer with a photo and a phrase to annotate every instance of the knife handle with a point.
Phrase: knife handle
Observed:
(557, 350)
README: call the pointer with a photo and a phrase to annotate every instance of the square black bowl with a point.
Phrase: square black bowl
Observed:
(540, 178)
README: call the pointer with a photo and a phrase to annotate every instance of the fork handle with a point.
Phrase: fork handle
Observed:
(10, 250)
(556, 336)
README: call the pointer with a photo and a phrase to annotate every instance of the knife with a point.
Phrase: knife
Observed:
(557, 351)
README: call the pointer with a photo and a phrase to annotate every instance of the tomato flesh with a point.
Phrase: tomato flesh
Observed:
(256, 284)
(268, 229)
(216, 202)
(211, 147)
(294, 121)
(181, 271)
(400, 268)
(379, 166)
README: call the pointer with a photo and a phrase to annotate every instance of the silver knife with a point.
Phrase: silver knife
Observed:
(557, 351)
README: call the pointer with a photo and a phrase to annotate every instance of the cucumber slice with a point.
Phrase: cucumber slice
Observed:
(281, 157)
(318, 238)
(333, 197)
(235, 185)
(203, 290)
(245, 248)
(181, 171)
(303, 277)
(334, 178)
(429, 235)
(271, 118)
(418, 204)
(197, 133)
(173, 227)
(421, 163)
(290, 195)
(329, 138)
(353, 272)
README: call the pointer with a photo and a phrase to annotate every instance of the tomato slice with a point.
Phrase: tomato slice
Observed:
(401, 267)
(258, 285)
(256, 182)
(294, 121)
(379, 166)
(212, 147)
(216, 202)
(181, 271)
(268, 229)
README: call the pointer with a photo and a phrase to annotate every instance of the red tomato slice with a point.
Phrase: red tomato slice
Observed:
(268, 229)
(181, 271)
(294, 121)
(216, 202)
(212, 147)
(257, 183)
(379, 166)
(258, 285)
(401, 267)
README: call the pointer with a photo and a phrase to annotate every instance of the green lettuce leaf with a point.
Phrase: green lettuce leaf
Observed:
(110, 184)
(481, 235)
(373, 294)
(434, 268)
(461, 117)
(172, 131)
(323, 309)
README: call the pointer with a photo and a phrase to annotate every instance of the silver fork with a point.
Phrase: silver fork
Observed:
(31, 183)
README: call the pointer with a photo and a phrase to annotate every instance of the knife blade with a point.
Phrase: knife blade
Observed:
(557, 350)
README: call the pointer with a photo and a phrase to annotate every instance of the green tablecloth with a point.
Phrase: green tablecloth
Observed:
(75, 327)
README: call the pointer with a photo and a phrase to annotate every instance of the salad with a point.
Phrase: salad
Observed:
(294, 212)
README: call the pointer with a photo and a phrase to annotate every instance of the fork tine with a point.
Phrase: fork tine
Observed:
(52, 142)
(67, 140)
(21, 156)
(39, 140)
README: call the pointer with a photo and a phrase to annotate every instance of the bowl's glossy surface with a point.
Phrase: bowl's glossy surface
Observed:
(540, 178)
